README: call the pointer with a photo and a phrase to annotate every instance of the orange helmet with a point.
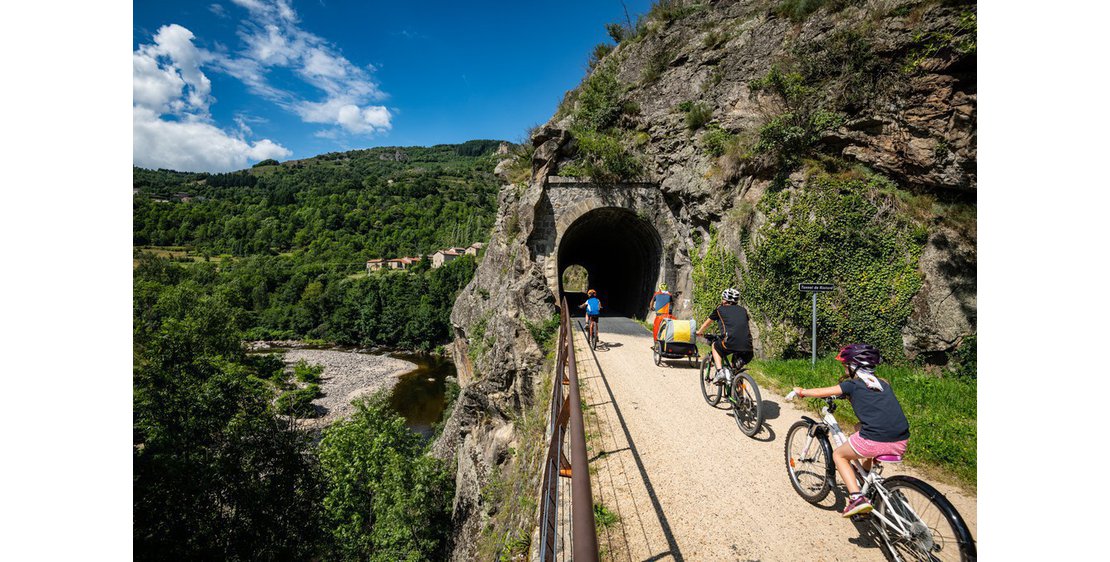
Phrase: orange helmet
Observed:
(591, 293)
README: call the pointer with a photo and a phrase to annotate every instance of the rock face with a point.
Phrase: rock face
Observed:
(909, 101)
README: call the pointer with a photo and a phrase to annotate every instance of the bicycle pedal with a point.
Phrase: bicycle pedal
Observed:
(860, 516)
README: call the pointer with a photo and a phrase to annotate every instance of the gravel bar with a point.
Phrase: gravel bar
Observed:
(347, 375)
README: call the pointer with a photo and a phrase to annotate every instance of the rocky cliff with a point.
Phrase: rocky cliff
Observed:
(784, 141)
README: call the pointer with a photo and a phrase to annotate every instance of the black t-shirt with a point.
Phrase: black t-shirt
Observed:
(880, 415)
(733, 322)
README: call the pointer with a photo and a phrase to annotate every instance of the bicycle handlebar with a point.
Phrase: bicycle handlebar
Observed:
(791, 396)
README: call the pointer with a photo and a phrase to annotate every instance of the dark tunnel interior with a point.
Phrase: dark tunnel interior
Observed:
(621, 252)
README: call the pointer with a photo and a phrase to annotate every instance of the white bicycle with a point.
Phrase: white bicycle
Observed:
(914, 520)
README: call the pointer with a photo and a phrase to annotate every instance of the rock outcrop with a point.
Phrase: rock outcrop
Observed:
(901, 74)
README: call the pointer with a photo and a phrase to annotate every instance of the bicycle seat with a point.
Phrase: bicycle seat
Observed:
(889, 458)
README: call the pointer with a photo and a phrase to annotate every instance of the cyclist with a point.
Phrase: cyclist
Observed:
(593, 310)
(883, 428)
(736, 335)
(661, 301)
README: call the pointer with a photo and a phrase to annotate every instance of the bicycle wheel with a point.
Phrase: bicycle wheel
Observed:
(747, 407)
(926, 526)
(657, 353)
(711, 392)
(809, 462)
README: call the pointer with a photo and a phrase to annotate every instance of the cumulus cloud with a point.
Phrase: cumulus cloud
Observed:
(272, 39)
(171, 123)
(195, 145)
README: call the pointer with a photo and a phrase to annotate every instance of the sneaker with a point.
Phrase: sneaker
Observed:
(720, 378)
(857, 506)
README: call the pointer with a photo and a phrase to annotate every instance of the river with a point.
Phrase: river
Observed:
(420, 394)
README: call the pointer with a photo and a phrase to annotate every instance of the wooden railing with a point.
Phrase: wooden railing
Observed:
(565, 429)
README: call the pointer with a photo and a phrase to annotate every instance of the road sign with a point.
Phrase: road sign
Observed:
(815, 288)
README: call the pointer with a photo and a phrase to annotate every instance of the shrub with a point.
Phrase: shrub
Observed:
(799, 10)
(298, 402)
(656, 65)
(714, 38)
(599, 52)
(544, 332)
(698, 115)
(966, 359)
(385, 499)
(604, 159)
(598, 104)
(267, 162)
(716, 140)
(307, 373)
(617, 32)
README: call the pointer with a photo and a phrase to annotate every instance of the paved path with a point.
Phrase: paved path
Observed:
(686, 484)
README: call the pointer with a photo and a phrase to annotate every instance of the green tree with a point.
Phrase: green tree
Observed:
(385, 500)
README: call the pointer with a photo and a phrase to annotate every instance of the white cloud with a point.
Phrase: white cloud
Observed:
(272, 38)
(171, 123)
(194, 145)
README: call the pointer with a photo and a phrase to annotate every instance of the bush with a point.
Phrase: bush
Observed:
(656, 65)
(603, 158)
(598, 105)
(617, 32)
(298, 402)
(267, 162)
(716, 140)
(966, 359)
(307, 373)
(698, 115)
(385, 499)
(544, 332)
(599, 52)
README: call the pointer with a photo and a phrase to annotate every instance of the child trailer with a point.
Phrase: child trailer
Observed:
(675, 339)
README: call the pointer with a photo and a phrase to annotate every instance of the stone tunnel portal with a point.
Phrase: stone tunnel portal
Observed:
(621, 253)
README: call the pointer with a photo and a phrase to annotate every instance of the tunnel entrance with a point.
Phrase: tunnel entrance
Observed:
(620, 252)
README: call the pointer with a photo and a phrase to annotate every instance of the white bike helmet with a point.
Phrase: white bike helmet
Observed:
(730, 295)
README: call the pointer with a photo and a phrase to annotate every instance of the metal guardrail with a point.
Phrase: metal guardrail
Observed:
(566, 422)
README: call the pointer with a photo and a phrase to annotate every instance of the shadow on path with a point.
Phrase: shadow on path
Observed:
(672, 545)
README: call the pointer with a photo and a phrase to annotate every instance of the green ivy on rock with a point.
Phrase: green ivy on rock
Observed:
(842, 229)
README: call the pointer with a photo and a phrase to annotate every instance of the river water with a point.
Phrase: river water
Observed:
(420, 394)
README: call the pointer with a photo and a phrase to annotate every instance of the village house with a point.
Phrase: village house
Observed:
(475, 248)
(442, 257)
(374, 265)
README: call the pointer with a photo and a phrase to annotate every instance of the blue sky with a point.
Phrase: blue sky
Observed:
(219, 85)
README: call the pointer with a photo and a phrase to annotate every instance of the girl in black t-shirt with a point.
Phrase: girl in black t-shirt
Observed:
(883, 428)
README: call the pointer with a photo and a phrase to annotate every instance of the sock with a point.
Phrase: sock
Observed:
(854, 495)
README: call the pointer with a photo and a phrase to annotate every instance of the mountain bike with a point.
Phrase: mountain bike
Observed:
(914, 520)
(742, 392)
(591, 331)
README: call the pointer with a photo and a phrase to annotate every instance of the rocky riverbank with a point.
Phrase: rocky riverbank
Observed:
(347, 375)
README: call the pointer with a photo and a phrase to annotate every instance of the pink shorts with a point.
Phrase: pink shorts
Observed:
(868, 448)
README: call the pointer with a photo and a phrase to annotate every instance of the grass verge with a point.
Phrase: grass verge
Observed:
(942, 411)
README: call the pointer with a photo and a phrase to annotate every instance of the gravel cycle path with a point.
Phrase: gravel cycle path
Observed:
(686, 483)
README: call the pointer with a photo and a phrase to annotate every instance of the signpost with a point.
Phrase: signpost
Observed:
(815, 288)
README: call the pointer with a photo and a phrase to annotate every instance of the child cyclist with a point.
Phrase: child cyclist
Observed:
(883, 428)
(736, 335)
(593, 310)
